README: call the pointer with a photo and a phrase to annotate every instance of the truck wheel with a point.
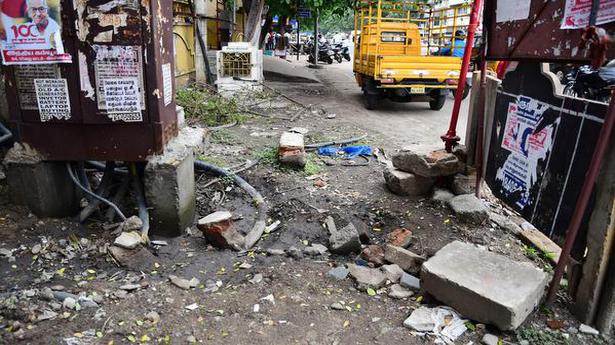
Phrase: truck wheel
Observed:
(372, 101)
(438, 102)
(466, 91)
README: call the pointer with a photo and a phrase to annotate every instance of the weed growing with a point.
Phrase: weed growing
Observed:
(202, 104)
(538, 336)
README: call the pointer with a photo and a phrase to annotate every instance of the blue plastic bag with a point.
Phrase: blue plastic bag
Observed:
(348, 152)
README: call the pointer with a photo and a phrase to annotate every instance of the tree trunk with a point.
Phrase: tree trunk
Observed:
(253, 26)
(267, 28)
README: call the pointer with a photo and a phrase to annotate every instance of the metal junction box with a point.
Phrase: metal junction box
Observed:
(90, 79)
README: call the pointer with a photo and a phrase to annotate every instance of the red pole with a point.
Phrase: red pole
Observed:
(588, 186)
(451, 138)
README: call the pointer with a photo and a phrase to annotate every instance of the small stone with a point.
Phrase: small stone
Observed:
(315, 250)
(128, 240)
(393, 272)
(399, 238)
(294, 253)
(338, 273)
(469, 208)
(133, 223)
(555, 324)
(374, 254)
(130, 287)
(409, 281)
(87, 303)
(69, 303)
(573, 330)
(524, 342)
(47, 294)
(220, 231)
(47, 315)
(367, 277)
(97, 298)
(397, 291)
(152, 316)
(192, 307)
(343, 241)
(585, 329)
(61, 296)
(57, 287)
(191, 339)
(337, 306)
(55, 305)
(275, 252)
(331, 116)
(36, 249)
(407, 260)
(256, 279)
(490, 339)
(184, 283)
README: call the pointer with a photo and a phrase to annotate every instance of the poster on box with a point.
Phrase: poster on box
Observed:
(31, 32)
(24, 78)
(53, 99)
(527, 144)
(577, 13)
(114, 63)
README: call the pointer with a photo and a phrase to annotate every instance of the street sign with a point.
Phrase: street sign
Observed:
(304, 13)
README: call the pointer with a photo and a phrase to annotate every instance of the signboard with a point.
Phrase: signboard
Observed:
(540, 147)
(53, 99)
(31, 32)
(577, 13)
(118, 63)
(304, 13)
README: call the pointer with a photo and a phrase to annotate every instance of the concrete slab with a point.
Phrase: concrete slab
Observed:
(484, 286)
(407, 184)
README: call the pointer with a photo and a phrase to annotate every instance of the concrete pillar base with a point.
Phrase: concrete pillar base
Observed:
(170, 187)
(44, 187)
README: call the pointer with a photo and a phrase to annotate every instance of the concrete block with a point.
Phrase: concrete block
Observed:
(484, 286)
(407, 260)
(291, 150)
(343, 241)
(469, 208)
(407, 184)
(463, 184)
(44, 187)
(432, 164)
(170, 186)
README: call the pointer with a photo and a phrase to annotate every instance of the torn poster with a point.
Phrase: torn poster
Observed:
(53, 99)
(511, 10)
(24, 78)
(122, 98)
(31, 32)
(577, 13)
(527, 145)
(167, 79)
(114, 63)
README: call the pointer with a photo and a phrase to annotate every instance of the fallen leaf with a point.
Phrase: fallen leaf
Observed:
(131, 338)
(346, 323)
(371, 292)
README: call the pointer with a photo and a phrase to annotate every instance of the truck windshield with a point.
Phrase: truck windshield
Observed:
(393, 36)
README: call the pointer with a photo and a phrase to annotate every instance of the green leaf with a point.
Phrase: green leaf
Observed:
(371, 292)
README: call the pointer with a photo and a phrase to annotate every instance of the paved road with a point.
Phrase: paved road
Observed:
(406, 124)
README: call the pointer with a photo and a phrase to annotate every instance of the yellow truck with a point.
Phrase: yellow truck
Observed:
(396, 51)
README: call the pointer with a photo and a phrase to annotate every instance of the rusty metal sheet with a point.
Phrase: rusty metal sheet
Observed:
(538, 37)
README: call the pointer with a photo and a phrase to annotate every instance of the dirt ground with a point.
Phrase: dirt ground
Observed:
(295, 294)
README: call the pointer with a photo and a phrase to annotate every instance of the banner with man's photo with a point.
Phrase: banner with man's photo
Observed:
(31, 32)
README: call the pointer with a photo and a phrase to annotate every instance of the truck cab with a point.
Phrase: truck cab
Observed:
(394, 58)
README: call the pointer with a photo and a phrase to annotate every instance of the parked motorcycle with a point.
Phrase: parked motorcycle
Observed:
(325, 54)
(344, 51)
(586, 82)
